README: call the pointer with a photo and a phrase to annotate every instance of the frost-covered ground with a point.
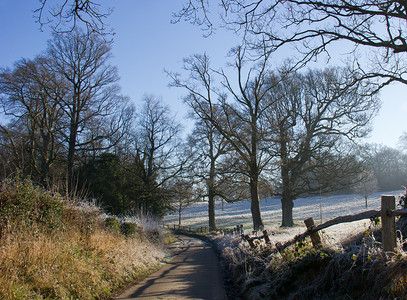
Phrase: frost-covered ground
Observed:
(320, 208)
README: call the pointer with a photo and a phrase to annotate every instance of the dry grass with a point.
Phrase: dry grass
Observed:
(67, 265)
(360, 270)
(79, 260)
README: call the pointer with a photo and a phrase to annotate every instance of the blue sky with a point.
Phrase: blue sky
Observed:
(146, 43)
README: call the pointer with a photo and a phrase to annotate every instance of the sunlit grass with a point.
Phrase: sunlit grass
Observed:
(79, 260)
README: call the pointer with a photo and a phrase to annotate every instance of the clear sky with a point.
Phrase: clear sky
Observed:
(146, 43)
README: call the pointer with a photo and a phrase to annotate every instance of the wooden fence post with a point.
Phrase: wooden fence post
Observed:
(388, 223)
(315, 238)
(249, 240)
(266, 237)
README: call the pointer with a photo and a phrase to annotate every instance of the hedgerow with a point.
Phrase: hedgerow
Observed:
(54, 248)
(358, 270)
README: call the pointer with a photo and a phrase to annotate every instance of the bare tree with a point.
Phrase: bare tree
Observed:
(182, 197)
(403, 140)
(13, 139)
(310, 115)
(238, 120)
(375, 31)
(31, 96)
(366, 185)
(66, 15)
(389, 166)
(208, 149)
(157, 153)
(95, 112)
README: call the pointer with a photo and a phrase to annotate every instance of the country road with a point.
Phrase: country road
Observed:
(193, 273)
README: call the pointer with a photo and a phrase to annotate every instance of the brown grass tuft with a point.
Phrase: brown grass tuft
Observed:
(79, 260)
(70, 265)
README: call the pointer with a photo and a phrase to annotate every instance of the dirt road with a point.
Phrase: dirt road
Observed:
(193, 273)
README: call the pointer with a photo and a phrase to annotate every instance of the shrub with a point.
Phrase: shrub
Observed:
(58, 251)
(113, 224)
(22, 204)
(359, 270)
(84, 216)
(129, 229)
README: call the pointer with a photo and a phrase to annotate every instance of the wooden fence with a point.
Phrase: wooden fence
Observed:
(175, 227)
(388, 215)
(237, 230)
(250, 240)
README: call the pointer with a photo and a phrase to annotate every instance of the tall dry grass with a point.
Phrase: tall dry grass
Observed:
(81, 259)
(359, 270)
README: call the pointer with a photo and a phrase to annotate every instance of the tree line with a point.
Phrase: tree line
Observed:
(258, 130)
(66, 123)
(371, 34)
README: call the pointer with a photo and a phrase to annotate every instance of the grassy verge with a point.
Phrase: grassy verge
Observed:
(360, 270)
(59, 251)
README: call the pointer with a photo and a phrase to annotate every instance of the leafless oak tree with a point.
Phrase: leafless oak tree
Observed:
(95, 112)
(67, 101)
(66, 15)
(375, 31)
(238, 120)
(157, 146)
(31, 97)
(310, 116)
(367, 184)
(389, 166)
(208, 151)
(182, 197)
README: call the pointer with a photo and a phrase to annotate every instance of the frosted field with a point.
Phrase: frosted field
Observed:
(320, 208)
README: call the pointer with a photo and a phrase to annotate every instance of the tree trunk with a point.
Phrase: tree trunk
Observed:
(46, 159)
(211, 211)
(179, 215)
(254, 173)
(255, 203)
(73, 134)
(211, 192)
(287, 205)
(70, 160)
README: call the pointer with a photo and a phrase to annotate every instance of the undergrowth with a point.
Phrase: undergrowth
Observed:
(358, 270)
(51, 248)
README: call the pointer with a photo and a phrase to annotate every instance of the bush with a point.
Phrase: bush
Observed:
(84, 216)
(360, 270)
(58, 251)
(113, 224)
(129, 229)
(22, 204)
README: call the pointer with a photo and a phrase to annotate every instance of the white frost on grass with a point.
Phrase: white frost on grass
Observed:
(319, 208)
(148, 223)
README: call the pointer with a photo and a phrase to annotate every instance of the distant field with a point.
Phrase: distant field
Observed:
(327, 207)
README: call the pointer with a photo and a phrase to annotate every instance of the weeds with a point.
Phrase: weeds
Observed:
(22, 205)
(358, 270)
(51, 249)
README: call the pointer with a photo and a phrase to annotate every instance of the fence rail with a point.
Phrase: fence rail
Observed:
(175, 227)
(237, 230)
(388, 213)
(251, 239)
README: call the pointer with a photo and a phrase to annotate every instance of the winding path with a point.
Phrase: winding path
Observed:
(193, 273)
